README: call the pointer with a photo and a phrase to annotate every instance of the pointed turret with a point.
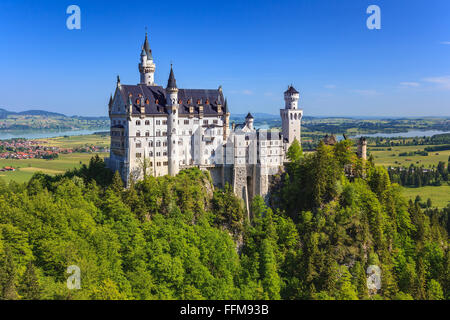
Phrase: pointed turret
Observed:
(249, 121)
(172, 82)
(147, 49)
(147, 66)
(110, 103)
(225, 106)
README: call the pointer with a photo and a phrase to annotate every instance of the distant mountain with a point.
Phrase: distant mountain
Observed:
(39, 113)
(257, 115)
(5, 113)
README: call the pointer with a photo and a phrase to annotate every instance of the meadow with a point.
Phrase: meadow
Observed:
(386, 157)
(27, 167)
(440, 196)
(77, 141)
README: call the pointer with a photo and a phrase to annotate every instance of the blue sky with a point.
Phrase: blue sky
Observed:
(254, 49)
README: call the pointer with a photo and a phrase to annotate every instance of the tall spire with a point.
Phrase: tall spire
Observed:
(225, 106)
(147, 49)
(171, 83)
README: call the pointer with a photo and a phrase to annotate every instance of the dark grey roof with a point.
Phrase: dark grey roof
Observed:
(249, 116)
(172, 82)
(291, 90)
(156, 96)
(147, 49)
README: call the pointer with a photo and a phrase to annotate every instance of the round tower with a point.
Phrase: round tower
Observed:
(362, 148)
(172, 123)
(291, 97)
(291, 117)
(147, 66)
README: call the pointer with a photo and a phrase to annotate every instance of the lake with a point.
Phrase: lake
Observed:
(38, 134)
(409, 134)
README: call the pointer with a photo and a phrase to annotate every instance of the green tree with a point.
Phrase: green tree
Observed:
(295, 152)
(434, 291)
(30, 288)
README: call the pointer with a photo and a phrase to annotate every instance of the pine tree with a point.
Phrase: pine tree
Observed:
(295, 152)
(117, 183)
(29, 287)
(8, 275)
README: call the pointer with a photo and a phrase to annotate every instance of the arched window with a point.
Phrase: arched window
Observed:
(151, 153)
(138, 144)
(147, 133)
(150, 144)
(147, 122)
(158, 143)
(138, 122)
(138, 134)
(295, 116)
(291, 116)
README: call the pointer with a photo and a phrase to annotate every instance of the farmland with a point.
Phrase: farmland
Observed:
(439, 195)
(390, 156)
(78, 141)
(25, 168)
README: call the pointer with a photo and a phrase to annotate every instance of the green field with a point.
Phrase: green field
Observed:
(386, 157)
(27, 167)
(440, 196)
(77, 141)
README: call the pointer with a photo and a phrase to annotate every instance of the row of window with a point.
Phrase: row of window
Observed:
(293, 116)
(147, 133)
(150, 144)
(164, 122)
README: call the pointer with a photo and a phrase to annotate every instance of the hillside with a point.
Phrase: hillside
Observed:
(45, 120)
(178, 238)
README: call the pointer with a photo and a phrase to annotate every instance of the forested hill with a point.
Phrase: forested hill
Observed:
(5, 113)
(45, 120)
(178, 238)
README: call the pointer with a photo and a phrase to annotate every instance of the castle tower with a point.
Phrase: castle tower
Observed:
(147, 66)
(291, 116)
(362, 148)
(249, 121)
(172, 123)
(226, 122)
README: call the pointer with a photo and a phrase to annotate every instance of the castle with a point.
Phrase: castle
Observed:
(164, 130)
